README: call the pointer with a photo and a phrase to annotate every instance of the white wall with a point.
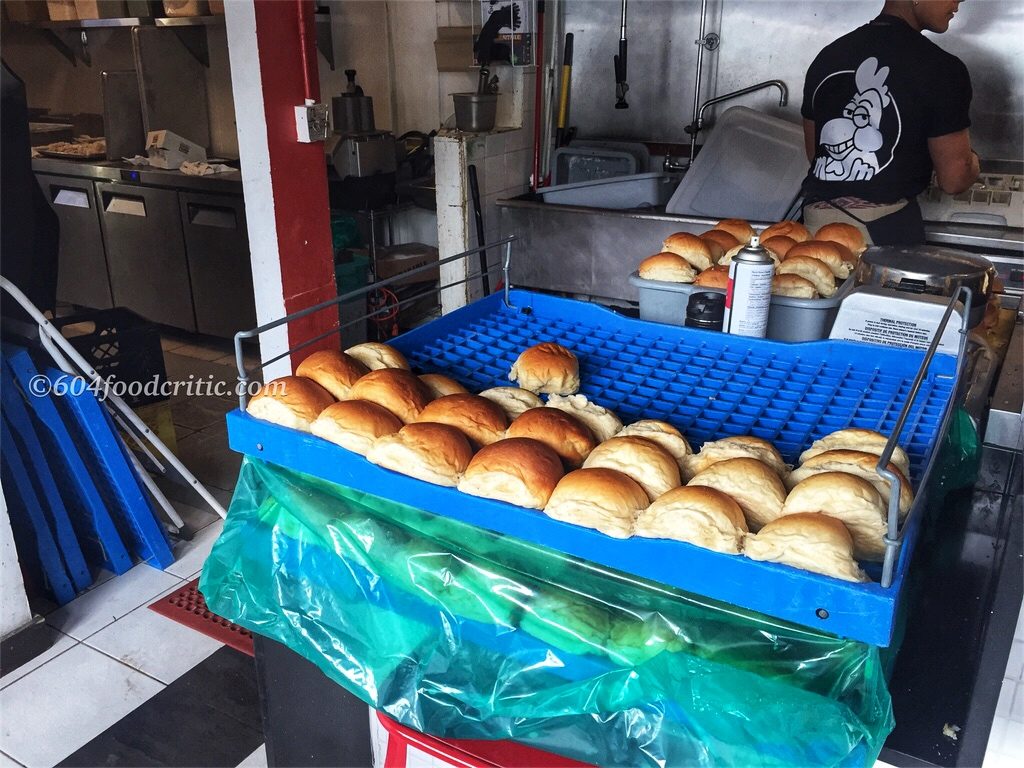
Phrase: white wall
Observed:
(14, 610)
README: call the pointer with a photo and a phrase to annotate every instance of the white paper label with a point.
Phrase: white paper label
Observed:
(748, 299)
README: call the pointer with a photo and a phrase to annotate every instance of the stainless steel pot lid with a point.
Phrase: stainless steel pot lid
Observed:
(926, 269)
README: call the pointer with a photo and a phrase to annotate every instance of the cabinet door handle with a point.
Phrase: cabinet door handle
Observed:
(124, 204)
(73, 198)
(212, 216)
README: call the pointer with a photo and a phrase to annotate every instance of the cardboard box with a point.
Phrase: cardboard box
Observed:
(62, 10)
(217, 7)
(169, 150)
(174, 8)
(101, 9)
(26, 10)
(453, 49)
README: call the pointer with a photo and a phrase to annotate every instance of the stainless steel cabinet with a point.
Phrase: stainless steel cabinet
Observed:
(217, 247)
(146, 252)
(82, 276)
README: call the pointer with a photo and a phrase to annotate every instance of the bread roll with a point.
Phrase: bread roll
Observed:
(727, 259)
(482, 421)
(715, 451)
(738, 228)
(547, 367)
(848, 498)
(778, 245)
(720, 236)
(435, 453)
(667, 267)
(600, 420)
(355, 424)
(844, 234)
(441, 385)
(291, 401)
(396, 389)
(690, 247)
(519, 471)
(811, 269)
(827, 253)
(512, 400)
(855, 439)
(375, 356)
(333, 370)
(752, 484)
(696, 514)
(641, 459)
(791, 229)
(598, 498)
(811, 542)
(857, 463)
(794, 286)
(566, 435)
(715, 248)
(716, 277)
(662, 433)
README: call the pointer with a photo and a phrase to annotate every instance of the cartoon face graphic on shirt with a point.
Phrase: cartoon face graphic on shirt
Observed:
(852, 140)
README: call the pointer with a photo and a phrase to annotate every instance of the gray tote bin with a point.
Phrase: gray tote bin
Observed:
(789, 319)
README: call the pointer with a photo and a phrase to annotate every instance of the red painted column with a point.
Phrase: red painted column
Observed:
(298, 174)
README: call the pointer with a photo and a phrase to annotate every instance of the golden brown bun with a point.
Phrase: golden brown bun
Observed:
(855, 439)
(512, 400)
(716, 277)
(794, 286)
(645, 461)
(598, 498)
(375, 356)
(662, 433)
(699, 515)
(355, 424)
(738, 228)
(848, 498)
(547, 368)
(435, 453)
(727, 259)
(811, 542)
(519, 471)
(333, 370)
(482, 421)
(690, 247)
(844, 234)
(752, 484)
(778, 244)
(396, 389)
(600, 420)
(715, 248)
(791, 229)
(858, 463)
(724, 239)
(667, 267)
(810, 269)
(566, 435)
(736, 447)
(828, 253)
(441, 385)
(291, 401)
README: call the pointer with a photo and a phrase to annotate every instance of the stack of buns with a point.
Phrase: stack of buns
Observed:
(817, 261)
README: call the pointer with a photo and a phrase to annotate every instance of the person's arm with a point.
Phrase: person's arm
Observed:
(956, 165)
(810, 145)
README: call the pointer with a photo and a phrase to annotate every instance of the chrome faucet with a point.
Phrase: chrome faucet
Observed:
(698, 122)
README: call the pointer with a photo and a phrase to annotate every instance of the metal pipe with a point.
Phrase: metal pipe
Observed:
(304, 6)
(697, 79)
(698, 123)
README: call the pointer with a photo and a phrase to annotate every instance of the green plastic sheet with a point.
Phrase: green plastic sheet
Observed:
(461, 633)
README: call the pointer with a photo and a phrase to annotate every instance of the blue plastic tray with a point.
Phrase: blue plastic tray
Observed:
(708, 384)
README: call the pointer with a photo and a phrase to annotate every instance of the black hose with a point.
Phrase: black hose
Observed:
(478, 214)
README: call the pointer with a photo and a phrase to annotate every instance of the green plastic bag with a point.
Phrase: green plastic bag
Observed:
(462, 633)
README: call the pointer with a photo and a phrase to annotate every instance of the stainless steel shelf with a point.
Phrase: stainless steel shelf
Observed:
(130, 21)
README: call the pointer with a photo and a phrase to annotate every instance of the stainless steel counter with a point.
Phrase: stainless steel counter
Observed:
(118, 170)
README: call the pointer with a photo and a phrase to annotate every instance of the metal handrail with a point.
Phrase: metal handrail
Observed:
(893, 539)
(244, 372)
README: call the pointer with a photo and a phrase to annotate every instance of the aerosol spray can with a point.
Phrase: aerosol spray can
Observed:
(749, 294)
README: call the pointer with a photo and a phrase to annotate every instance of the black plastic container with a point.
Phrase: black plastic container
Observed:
(705, 310)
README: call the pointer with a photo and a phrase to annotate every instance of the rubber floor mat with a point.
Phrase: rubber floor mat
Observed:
(187, 606)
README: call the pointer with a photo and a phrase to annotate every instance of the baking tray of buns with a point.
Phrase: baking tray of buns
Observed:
(709, 385)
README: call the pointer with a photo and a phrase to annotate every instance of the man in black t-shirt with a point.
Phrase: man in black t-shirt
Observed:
(884, 107)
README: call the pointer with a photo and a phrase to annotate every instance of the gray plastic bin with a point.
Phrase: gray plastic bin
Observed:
(788, 319)
(638, 190)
